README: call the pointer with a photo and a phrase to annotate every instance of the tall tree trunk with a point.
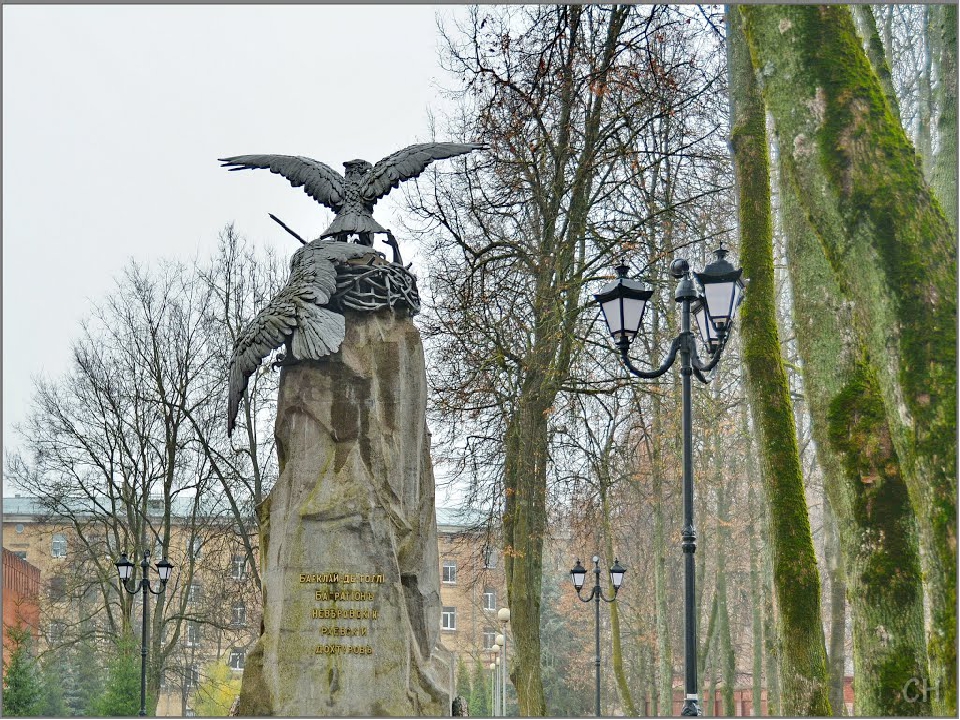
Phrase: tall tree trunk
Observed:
(878, 529)
(925, 98)
(894, 256)
(944, 176)
(725, 654)
(664, 646)
(524, 523)
(771, 642)
(878, 56)
(626, 697)
(705, 659)
(756, 595)
(803, 653)
(838, 609)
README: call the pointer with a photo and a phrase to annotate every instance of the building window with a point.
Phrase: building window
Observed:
(239, 567)
(489, 557)
(193, 593)
(191, 676)
(195, 547)
(489, 638)
(448, 619)
(236, 659)
(59, 546)
(239, 613)
(193, 634)
(22, 554)
(489, 599)
(56, 632)
(58, 588)
(19, 527)
(449, 571)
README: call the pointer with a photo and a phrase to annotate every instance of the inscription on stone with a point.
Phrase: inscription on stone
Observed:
(337, 594)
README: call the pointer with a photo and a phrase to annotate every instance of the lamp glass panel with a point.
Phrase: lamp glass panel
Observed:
(611, 313)
(164, 569)
(125, 568)
(703, 324)
(632, 315)
(720, 301)
(578, 578)
(617, 578)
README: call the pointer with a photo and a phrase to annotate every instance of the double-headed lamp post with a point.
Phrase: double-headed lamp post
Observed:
(503, 615)
(578, 575)
(125, 570)
(623, 302)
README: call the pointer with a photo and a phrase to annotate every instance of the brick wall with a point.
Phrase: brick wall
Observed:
(21, 589)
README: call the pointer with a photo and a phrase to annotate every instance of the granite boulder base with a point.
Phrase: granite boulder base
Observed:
(348, 537)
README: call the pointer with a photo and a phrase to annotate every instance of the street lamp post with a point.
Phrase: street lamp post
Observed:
(503, 615)
(623, 302)
(501, 659)
(578, 575)
(493, 688)
(125, 570)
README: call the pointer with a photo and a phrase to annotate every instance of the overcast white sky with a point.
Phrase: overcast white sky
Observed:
(113, 118)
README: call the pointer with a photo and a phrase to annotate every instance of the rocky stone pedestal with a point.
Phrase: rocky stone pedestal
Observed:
(348, 537)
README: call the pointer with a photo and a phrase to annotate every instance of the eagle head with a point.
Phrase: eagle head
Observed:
(356, 168)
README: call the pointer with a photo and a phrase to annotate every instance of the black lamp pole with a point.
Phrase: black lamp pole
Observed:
(717, 310)
(596, 595)
(125, 569)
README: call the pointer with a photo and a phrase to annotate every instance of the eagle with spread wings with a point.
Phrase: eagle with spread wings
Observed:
(297, 316)
(352, 195)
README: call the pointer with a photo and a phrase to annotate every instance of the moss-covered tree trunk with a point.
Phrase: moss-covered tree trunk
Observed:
(875, 51)
(944, 173)
(895, 260)
(771, 643)
(836, 657)
(623, 687)
(725, 653)
(525, 523)
(862, 479)
(756, 594)
(803, 660)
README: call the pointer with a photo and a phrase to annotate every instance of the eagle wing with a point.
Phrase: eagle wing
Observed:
(296, 310)
(406, 164)
(319, 180)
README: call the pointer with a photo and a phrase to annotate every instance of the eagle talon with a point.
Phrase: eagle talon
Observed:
(284, 361)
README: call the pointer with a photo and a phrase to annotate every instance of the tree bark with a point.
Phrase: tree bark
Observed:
(727, 657)
(803, 658)
(770, 641)
(944, 174)
(756, 595)
(862, 481)
(838, 609)
(894, 256)
(876, 53)
(626, 697)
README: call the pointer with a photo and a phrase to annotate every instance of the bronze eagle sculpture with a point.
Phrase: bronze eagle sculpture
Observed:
(296, 317)
(352, 195)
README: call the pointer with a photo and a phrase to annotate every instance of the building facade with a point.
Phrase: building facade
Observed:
(219, 604)
(21, 591)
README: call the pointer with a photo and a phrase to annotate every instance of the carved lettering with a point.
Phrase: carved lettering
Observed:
(343, 631)
(344, 650)
(344, 614)
(319, 577)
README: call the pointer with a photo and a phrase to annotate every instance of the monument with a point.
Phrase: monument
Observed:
(348, 544)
